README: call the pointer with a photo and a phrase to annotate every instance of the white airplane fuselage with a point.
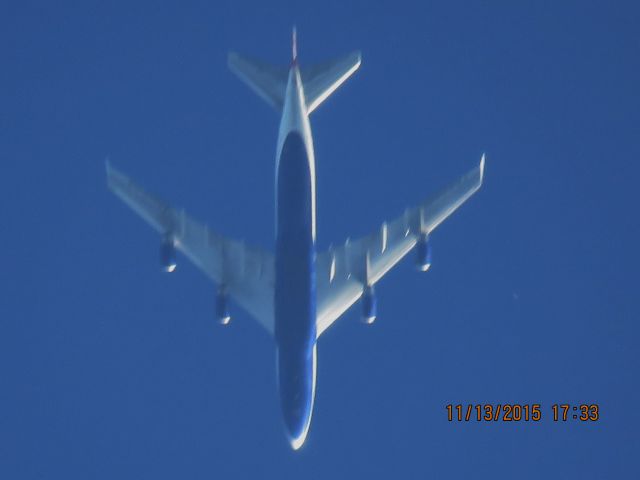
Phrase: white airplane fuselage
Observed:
(295, 289)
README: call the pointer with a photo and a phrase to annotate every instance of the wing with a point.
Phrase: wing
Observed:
(342, 273)
(247, 272)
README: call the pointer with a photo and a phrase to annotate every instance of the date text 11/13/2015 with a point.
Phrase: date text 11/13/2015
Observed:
(516, 412)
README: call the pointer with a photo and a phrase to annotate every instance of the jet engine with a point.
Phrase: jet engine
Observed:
(369, 305)
(222, 307)
(423, 253)
(168, 254)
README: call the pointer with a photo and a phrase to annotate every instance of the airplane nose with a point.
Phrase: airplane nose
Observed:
(297, 422)
(296, 385)
(297, 442)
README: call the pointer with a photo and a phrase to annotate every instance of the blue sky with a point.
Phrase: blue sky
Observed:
(110, 369)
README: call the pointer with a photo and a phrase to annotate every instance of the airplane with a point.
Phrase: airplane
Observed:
(297, 293)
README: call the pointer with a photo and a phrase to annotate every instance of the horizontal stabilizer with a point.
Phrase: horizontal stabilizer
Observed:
(267, 81)
(320, 81)
(270, 82)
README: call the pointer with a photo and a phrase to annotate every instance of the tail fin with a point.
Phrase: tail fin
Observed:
(294, 46)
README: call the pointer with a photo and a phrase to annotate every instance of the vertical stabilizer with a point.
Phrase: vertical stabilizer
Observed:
(294, 46)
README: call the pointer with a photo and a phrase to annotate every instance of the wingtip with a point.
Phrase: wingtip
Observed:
(358, 55)
(114, 176)
(231, 58)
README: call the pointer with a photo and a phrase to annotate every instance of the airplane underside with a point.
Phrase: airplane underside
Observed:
(297, 293)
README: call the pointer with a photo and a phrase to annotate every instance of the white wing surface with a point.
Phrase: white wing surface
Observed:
(343, 272)
(247, 272)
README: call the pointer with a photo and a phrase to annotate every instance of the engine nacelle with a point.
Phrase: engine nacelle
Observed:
(423, 253)
(369, 305)
(222, 307)
(168, 254)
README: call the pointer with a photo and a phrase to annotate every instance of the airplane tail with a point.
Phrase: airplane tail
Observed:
(270, 82)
